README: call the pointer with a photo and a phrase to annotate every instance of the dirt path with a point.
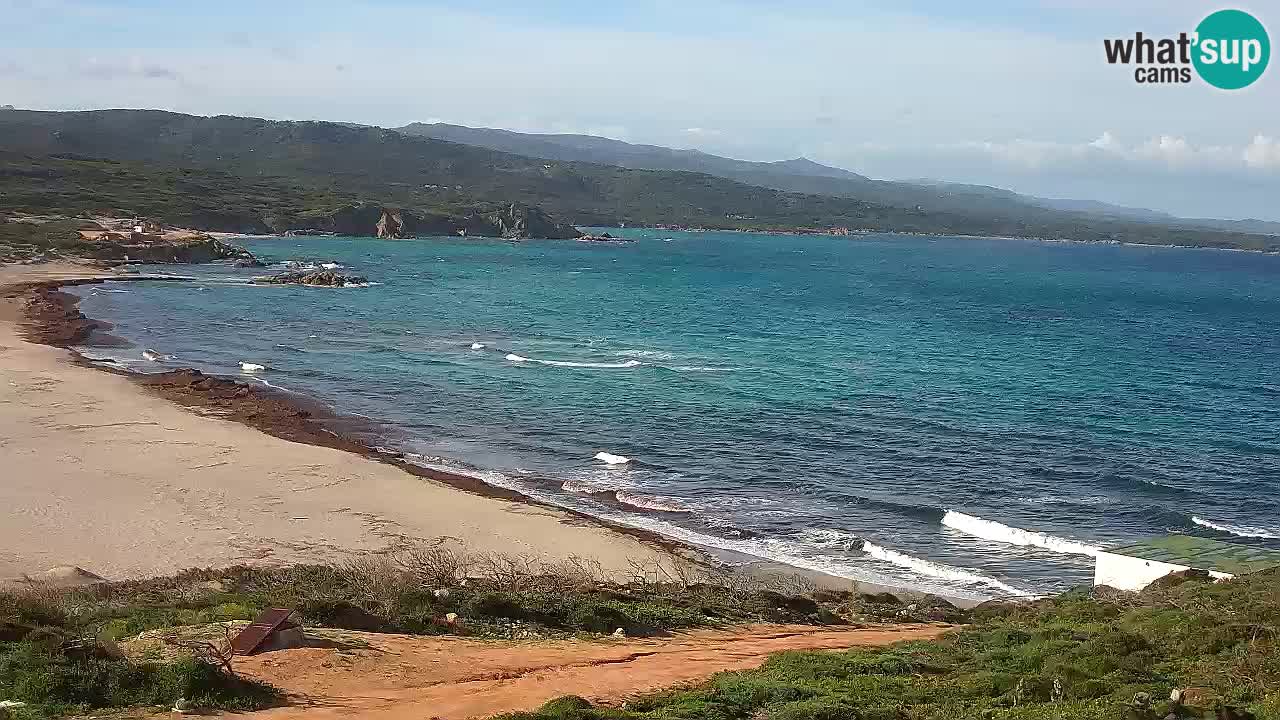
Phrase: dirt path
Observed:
(414, 678)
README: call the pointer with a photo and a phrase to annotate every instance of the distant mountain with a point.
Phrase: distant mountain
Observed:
(606, 151)
(237, 172)
(1097, 207)
(1101, 209)
(798, 175)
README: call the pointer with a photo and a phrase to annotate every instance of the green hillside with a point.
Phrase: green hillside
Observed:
(231, 173)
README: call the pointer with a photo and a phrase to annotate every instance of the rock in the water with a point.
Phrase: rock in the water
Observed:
(318, 278)
(250, 262)
(605, 237)
(521, 221)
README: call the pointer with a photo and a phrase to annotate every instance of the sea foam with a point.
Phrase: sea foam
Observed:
(650, 502)
(937, 570)
(996, 532)
(566, 363)
(1237, 530)
(611, 459)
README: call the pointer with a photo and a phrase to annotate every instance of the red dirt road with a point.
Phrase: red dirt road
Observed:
(398, 677)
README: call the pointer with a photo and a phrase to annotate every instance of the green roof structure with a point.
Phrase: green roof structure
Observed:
(1202, 554)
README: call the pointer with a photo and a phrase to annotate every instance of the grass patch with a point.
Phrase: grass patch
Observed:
(54, 661)
(1084, 655)
(58, 646)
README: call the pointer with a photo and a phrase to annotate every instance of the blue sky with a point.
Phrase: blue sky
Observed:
(1013, 93)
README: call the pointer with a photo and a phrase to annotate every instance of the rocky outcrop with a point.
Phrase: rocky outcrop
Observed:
(605, 238)
(391, 224)
(521, 221)
(196, 250)
(372, 220)
(319, 278)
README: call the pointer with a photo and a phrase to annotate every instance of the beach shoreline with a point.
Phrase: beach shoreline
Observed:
(129, 484)
(53, 320)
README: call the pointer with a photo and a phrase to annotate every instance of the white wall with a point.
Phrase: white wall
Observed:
(1130, 573)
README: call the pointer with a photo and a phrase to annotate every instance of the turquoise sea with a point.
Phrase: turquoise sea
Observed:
(968, 415)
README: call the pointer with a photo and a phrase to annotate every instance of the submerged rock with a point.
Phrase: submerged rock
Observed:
(318, 278)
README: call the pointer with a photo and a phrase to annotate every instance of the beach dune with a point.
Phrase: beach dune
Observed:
(96, 472)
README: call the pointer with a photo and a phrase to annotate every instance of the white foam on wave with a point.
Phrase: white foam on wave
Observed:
(831, 539)
(997, 532)
(780, 550)
(645, 354)
(651, 502)
(479, 346)
(249, 367)
(611, 459)
(153, 356)
(565, 363)
(580, 487)
(700, 368)
(1237, 530)
(938, 570)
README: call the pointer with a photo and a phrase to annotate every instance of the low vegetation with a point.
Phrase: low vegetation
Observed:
(1085, 655)
(1080, 656)
(60, 648)
(21, 241)
(54, 662)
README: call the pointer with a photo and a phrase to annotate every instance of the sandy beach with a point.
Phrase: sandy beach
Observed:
(101, 474)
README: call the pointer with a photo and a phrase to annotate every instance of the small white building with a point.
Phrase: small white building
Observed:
(1133, 567)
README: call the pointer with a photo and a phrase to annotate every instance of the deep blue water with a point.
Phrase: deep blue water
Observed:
(792, 397)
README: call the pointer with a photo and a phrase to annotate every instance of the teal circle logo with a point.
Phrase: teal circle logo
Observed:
(1231, 49)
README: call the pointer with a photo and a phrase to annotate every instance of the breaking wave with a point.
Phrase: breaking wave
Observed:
(610, 459)
(566, 363)
(831, 539)
(651, 502)
(937, 570)
(996, 532)
(1237, 530)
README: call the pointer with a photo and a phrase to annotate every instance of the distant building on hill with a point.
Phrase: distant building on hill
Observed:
(1133, 567)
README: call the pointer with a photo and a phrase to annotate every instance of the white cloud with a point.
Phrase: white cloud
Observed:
(1262, 153)
(1166, 151)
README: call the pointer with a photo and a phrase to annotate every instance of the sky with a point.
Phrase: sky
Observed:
(1009, 93)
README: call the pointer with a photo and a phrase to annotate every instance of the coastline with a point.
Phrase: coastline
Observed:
(54, 321)
(127, 483)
